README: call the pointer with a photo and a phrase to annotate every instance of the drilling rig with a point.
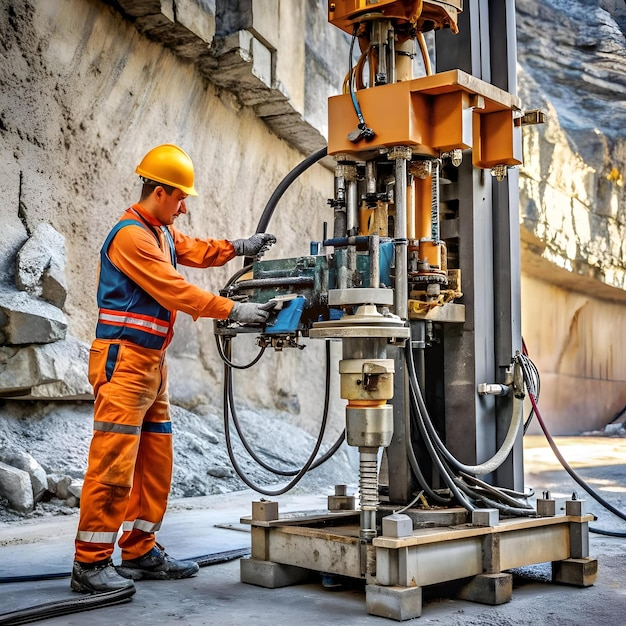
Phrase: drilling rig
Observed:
(420, 282)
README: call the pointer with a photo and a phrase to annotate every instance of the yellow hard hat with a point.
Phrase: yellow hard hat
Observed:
(170, 165)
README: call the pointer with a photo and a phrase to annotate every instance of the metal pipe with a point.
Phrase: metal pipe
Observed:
(391, 46)
(352, 227)
(370, 177)
(339, 224)
(364, 348)
(380, 43)
(352, 207)
(277, 281)
(410, 202)
(401, 292)
(374, 252)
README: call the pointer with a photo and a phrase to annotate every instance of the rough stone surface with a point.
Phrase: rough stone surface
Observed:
(14, 232)
(75, 489)
(43, 253)
(201, 462)
(71, 164)
(16, 488)
(572, 56)
(26, 462)
(55, 371)
(573, 207)
(54, 285)
(28, 320)
(59, 484)
(87, 88)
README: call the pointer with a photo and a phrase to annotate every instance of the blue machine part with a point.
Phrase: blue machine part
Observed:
(288, 318)
(363, 265)
(386, 259)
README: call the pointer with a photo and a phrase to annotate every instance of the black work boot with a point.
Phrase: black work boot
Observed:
(98, 578)
(157, 565)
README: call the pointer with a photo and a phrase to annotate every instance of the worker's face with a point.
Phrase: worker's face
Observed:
(169, 206)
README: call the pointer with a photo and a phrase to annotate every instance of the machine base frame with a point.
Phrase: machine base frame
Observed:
(395, 569)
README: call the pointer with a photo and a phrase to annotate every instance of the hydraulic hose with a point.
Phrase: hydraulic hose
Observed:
(443, 470)
(309, 464)
(284, 184)
(89, 602)
(504, 500)
(229, 404)
(66, 607)
(417, 471)
(497, 459)
(250, 451)
(227, 361)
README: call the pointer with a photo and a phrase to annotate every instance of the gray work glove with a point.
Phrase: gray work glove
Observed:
(254, 246)
(250, 312)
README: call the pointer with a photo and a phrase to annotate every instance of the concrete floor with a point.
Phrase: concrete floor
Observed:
(216, 595)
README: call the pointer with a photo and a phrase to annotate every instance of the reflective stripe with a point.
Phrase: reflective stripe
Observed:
(110, 427)
(89, 537)
(133, 320)
(142, 525)
(157, 427)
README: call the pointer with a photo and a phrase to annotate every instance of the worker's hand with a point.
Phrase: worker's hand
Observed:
(254, 246)
(250, 312)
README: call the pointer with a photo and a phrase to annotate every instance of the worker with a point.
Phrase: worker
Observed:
(129, 472)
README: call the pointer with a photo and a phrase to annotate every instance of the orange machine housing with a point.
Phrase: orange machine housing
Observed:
(432, 114)
(423, 15)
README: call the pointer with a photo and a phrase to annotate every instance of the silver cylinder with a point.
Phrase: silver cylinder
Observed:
(401, 292)
(352, 216)
(369, 426)
(364, 348)
(374, 252)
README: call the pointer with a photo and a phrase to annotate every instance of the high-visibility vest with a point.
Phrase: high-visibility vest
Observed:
(126, 311)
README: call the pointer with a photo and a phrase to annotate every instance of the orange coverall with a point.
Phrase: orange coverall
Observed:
(129, 471)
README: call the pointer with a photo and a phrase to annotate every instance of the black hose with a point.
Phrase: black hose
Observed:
(417, 471)
(608, 533)
(66, 607)
(443, 470)
(259, 461)
(527, 365)
(206, 559)
(506, 502)
(237, 274)
(227, 361)
(308, 464)
(284, 184)
(229, 404)
(505, 495)
(96, 601)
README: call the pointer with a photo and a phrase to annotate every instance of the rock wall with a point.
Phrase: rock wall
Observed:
(88, 86)
(573, 206)
(86, 91)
